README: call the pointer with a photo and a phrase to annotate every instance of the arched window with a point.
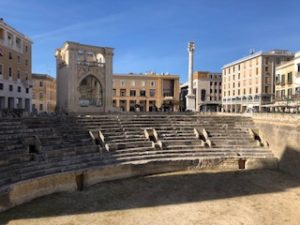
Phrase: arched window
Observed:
(91, 93)
(100, 58)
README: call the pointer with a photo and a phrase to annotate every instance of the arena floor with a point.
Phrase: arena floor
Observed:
(209, 198)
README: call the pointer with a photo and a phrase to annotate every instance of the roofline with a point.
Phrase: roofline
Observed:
(288, 63)
(259, 53)
(243, 59)
(145, 75)
(215, 73)
(42, 76)
(16, 31)
(85, 45)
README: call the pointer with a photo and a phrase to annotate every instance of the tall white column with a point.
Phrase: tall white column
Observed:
(190, 98)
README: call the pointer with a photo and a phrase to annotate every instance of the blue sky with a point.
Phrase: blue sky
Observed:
(152, 35)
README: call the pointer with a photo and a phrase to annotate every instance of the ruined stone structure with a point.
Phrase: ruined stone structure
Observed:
(84, 78)
(44, 155)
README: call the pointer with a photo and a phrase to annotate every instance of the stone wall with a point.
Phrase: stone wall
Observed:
(282, 131)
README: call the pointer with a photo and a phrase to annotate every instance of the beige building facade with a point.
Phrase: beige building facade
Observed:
(208, 86)
(15, 69)
(145, 92)
(287, 90)
(43, 93)
(84, 78)
(249, 83)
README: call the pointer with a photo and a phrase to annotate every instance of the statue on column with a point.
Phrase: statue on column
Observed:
(190, 98)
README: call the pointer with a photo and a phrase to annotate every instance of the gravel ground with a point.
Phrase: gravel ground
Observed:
(210, 198)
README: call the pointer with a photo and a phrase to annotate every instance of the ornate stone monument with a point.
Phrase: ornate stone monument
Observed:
(190, 98)
(84, 78)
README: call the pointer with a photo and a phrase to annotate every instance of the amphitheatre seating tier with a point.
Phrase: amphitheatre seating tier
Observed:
(31, 148)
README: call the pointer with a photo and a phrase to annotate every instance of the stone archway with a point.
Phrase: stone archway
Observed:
(90, 92)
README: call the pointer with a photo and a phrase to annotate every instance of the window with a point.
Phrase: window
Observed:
(152, 92)
(41, 107)
(1, 69)
(26, 48)
(123, 92)
(19, 59)
(256, 90)
(19, 89)
(290, 90)
(1, 34)
(114, 92)
(9, 55)
(152, 83)
(11, 88)
(10, 71)
(18, 74)
(27, 90)
(267, 60)
(211, 91)
(132, 92)
(122, 83)
(266, 89)
(143, 83)
(250, 91)
(10, 39)
(41, 83)
(290, 78)
(18, 42)
(283, 79)
(298, 67)
(26, 62)
(132, 83)
(41, 96)
(142, 93)
(266, 69)
(277, 94)
(1, 86)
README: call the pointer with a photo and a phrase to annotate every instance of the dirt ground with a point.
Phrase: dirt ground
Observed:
(209, 198)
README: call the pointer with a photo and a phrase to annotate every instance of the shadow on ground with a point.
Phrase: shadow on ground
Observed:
(174, 188)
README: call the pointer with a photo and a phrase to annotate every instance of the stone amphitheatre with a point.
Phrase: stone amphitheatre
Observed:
(180, 168)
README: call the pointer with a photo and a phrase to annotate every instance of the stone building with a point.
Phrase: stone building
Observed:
(287, 89)
(145, 92)
(84, 78)
(208, 87)
(249, 83)
(43, 93)
(15, 69)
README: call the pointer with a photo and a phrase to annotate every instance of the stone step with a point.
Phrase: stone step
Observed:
(195, 155)
(116, 146)
(200, 152)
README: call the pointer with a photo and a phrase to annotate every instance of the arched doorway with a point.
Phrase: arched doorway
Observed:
(91, 93)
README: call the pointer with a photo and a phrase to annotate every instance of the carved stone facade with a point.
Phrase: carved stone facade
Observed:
(84, 78)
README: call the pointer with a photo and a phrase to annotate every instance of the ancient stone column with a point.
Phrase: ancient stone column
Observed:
(190, 98)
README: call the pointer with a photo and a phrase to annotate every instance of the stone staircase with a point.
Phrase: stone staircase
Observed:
(177, 137)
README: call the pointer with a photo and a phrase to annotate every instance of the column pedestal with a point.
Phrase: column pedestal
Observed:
(191, 103)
